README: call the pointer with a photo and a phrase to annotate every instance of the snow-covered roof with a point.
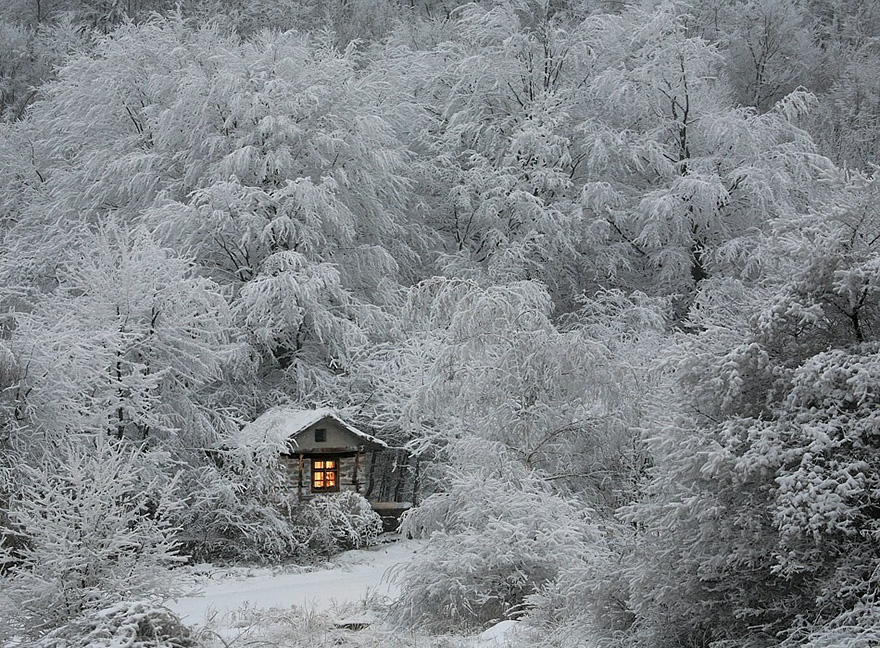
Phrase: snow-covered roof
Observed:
(282, 423)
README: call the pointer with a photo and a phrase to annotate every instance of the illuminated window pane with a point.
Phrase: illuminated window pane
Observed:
(325, 474)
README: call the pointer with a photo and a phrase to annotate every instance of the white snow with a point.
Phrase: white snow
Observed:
(350, 578)
(495, 636)
(265, 605)
(279, 424)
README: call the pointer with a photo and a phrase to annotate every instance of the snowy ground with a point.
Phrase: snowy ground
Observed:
(338, 604)
(353, 577)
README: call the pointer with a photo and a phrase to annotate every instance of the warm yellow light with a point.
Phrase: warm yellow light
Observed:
(325, 474)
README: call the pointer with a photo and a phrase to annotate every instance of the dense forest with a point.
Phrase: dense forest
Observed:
(606, 273)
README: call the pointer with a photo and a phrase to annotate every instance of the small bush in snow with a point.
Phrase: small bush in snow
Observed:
(94, 531)
(127, 624)
(309, 627)
(339, 521)
(227, 519)
(494, 541)
(238, 508)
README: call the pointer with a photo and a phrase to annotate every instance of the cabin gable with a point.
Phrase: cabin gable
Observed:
(326, 436)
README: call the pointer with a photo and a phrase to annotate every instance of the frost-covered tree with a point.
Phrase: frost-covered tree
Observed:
(589, 150)
(498, 535)
(846, 123)
(759, 522)
(28, 58)
(677, 177)
(16, 68)
(100, 14)
(94, 521)
(489, 363)
(528, 433)
(491, 119)
(346, 21)
(272, 164)
(126, 345)
(769, 46)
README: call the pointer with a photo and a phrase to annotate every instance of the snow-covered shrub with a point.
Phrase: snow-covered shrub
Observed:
(311, 627)
(239, 506)
(226, 517)
(137, 624)
(335, 522)
(8, 538)
(494, 540)
(591, 593)
(96, 530)
(855, 628)
(16, 59)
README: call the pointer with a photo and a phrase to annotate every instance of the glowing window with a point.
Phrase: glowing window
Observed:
(325, 475)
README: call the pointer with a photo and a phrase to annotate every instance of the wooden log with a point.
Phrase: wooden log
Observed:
(354, 478)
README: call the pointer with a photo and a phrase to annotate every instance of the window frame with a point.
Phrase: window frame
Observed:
(324, 470)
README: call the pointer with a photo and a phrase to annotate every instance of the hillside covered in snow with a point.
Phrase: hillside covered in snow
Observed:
(593, 285)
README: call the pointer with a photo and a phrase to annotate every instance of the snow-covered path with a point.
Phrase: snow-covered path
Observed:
(351, 577)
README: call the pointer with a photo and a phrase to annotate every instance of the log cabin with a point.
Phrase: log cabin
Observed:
(324, 454)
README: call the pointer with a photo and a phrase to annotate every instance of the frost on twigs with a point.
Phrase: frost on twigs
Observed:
(338, 521)
(496, 537)
(858, 627)
(237, 507)
(95, 531)
(308, 627)
(138, 624)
